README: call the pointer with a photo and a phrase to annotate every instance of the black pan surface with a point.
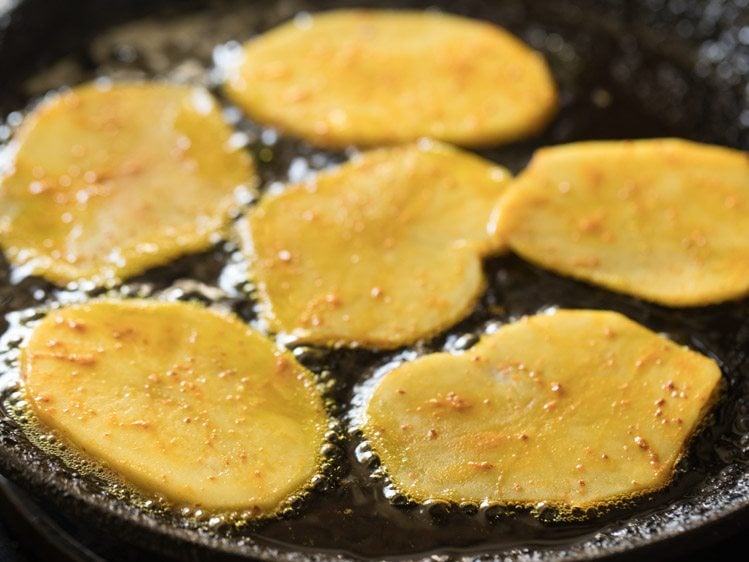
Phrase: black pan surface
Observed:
(625, 70)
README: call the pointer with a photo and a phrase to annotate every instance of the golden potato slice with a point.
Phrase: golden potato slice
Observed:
(379, 252)
(373, 77)
(573, 408)
(180, 400)
(665, 220)
(109, 181)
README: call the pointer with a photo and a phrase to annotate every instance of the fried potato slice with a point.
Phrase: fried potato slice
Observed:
(374, 77)
(111, 180)
(380, 252)
(179, 400)
(574, 408)
(665, 220)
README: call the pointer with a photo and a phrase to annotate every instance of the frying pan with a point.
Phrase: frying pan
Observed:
(625, 70)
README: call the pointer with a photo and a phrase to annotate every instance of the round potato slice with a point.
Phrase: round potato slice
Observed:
(574, 408)
(373, 77)
(379, 252)
(179, 400)
(111, 180)
(665, 220)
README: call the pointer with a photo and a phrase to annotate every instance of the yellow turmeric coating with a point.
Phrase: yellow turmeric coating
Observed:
(573, 408)
(374, 77)
(380, 252)
(665, 220)
(179, 400)
(111, 180)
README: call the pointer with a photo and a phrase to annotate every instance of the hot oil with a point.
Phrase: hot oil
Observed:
(606, 84)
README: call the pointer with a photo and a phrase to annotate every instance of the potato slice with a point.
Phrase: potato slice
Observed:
(373, 77)
(111, 180)
(665, 220)
(180, 400)
(379, 252)
(573, 408)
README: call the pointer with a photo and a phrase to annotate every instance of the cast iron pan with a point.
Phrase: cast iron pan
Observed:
(625, 69)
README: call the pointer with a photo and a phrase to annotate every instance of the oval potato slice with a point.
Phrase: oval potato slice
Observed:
(665, 220)
(373, 77)
(574, 408)
(380, 252)
(111, 180)
(179, 400)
